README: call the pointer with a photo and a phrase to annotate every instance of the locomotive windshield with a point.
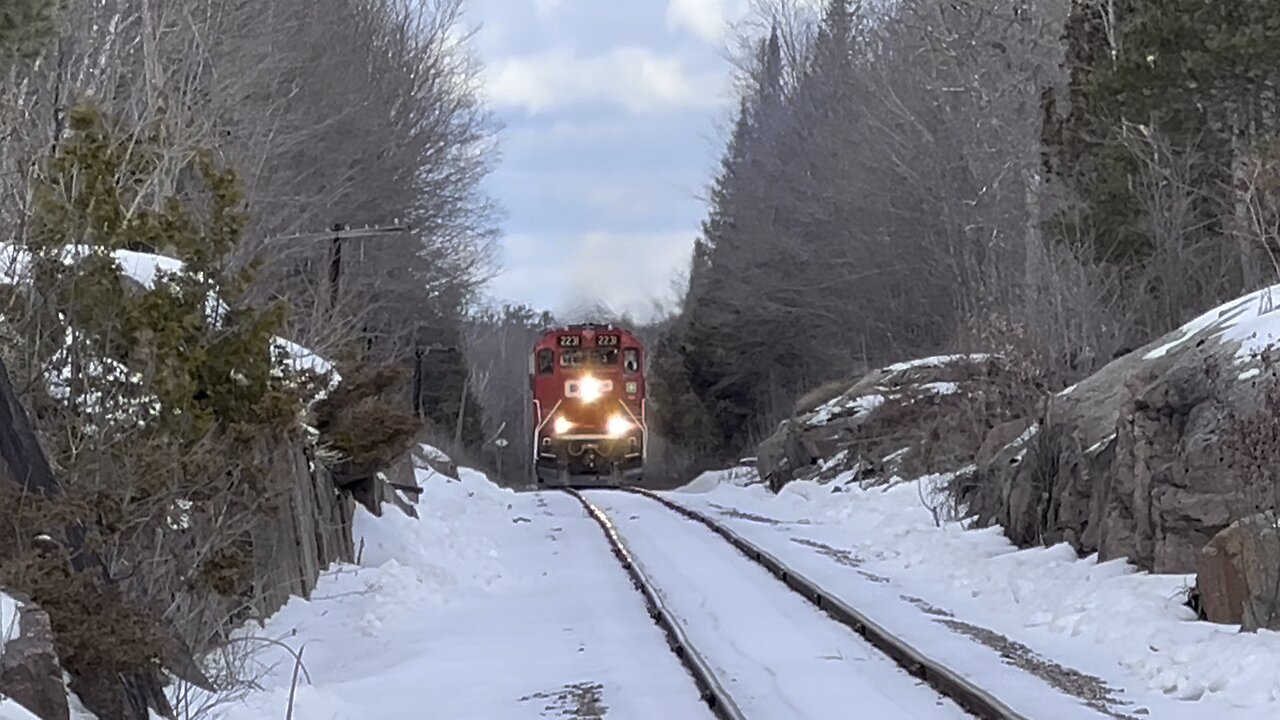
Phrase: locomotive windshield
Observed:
(599, 357)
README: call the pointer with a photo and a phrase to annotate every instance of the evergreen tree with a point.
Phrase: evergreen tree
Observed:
(1199, 74)
(25, 25)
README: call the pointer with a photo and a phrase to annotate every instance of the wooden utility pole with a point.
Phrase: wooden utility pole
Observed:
(335, 266)
(335, 235)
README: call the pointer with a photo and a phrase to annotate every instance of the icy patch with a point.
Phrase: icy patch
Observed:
(1251, 320)
(1249, 374)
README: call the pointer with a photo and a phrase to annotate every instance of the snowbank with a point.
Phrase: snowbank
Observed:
(741, 476)
(1107, 619)
(444, 550)
(409, 572)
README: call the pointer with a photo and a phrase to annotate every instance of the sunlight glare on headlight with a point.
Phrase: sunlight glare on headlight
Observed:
(619, 426)
(561, 425)
(590, 389)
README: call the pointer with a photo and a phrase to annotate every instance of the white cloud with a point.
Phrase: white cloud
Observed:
(708, 19)
(636, 78)
(546, 7)
(628, 272)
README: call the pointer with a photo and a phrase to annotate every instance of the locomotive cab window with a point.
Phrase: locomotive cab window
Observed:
(605, 357)
(546, 361)
(571, 358)
(631, 361)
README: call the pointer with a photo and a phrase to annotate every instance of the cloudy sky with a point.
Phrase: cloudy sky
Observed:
(614, 111)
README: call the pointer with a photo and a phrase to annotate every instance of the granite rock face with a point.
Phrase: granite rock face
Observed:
(1149, 458)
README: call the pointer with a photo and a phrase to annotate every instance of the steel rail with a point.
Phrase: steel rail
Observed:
(709, 687)
(962, 691)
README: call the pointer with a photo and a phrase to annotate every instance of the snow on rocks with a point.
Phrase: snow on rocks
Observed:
(8, 619)
(1251, 321)
(892, 383)
(842, 407)
(936, 361)
(1105, 619)
(11, 710)
(147, 270)
(876, 423)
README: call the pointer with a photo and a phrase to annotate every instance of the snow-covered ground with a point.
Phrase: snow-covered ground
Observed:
(776, 654)
(492, 605)
(1102, 631)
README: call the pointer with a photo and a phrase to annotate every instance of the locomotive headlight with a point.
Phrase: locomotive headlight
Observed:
(618, 426)
(561, 425)
(590, 389)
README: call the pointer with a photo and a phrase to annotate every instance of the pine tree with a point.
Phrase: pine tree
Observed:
(1198, 74)
(25, 25)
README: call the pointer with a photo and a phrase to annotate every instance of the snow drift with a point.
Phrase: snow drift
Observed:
(1108, 620)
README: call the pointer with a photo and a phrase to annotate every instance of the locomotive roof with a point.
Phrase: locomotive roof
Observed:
(587, 326)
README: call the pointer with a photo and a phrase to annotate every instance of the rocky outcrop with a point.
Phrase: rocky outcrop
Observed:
(1238, 574)
(30, 672)
(903, 420)
(312, 529)
(1147, 459)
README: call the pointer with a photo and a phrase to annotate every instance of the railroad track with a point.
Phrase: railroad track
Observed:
(963, 692)
(709, 686)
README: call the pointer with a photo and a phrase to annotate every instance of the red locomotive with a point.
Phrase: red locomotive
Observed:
(588, 406)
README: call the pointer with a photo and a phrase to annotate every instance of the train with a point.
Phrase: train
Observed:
(587, 384)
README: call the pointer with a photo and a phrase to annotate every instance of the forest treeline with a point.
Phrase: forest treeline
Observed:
(334, 115)
(1058, 181)
(315, 169)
